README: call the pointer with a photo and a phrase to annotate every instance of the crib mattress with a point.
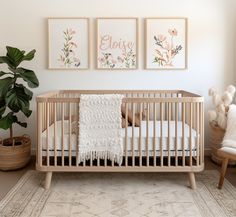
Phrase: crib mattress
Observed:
(146, 142)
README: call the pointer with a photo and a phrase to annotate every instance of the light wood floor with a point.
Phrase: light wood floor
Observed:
(9, 179)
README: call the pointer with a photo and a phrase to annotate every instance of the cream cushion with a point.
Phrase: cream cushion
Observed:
(230, 134)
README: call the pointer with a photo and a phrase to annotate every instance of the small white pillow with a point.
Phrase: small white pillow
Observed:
(230, 134)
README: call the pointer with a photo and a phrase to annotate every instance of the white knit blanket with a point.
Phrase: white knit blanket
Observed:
(230, 134)
(100, 127)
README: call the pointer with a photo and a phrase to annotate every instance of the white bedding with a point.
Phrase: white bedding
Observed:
(145, 142)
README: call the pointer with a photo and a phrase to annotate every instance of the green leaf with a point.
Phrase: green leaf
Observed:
(28, 92)
(26, 111)
(2, 106)
(5, 85)
(4, 59)
(15, 55)
(7, 121)
(2, 73)
(22, 124)
(28, 76)
(29, 56)
(17, 100)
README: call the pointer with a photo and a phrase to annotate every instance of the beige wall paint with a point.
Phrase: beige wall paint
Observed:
(210, 55)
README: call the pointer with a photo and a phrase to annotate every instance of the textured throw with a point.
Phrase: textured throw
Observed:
(100, 127)
(230, 134)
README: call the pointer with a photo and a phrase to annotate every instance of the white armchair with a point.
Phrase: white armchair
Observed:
(228, 150)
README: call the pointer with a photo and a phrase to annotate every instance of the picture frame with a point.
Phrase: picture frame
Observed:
(117, 43)
(68, 43)
(166, 43)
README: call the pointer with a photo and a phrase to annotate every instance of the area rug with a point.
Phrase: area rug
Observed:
(119, 194)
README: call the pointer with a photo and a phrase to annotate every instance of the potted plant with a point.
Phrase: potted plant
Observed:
(15, 98)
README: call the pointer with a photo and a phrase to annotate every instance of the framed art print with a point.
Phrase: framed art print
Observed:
(117, 43)
(166, 43)
(68, 43)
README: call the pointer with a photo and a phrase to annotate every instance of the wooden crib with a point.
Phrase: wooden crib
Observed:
(170, 137)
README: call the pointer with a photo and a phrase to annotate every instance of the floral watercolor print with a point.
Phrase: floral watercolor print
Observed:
(166, 43)
(68, 57)
(125, 60)
(68, 43)
(116, 49)
(166, 49)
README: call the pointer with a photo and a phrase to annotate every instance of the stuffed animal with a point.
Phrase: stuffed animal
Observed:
(221, 103)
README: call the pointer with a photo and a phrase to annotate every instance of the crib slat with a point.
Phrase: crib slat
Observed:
(105, 161)
(165, 108)
(40, 115)
(77, 134)
(133, 124)
(161, 133)
(194, 116)
(147, 136)
(47, 132)
(197, 104)
(202, 134)
(200, 146)
(69, 105)
(140, 135)
(55, 133)
(144, 104)
(190, 133)
(169, 117)
(176, 133)
(183, 134)
(154, 134)
(149, 96)
(62, 133)
(51, 114)
(126, 134)
(44, 114)
(173, 107)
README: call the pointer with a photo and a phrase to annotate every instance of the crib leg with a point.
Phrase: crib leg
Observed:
(192, 180)
(48, 180)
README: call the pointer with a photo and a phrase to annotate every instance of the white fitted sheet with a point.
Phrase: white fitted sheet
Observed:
(147, 143)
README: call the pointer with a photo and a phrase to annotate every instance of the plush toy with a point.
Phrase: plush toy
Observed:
(221, 103)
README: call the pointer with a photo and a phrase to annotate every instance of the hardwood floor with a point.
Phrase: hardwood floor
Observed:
(9, 179)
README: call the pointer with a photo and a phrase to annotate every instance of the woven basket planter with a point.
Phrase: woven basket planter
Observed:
(216, 138)
(15, 156)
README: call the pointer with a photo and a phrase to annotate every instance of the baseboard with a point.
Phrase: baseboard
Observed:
(207, 152)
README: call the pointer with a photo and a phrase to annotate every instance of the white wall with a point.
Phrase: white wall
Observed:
(210, 55)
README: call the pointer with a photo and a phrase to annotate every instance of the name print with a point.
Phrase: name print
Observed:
(107, 42)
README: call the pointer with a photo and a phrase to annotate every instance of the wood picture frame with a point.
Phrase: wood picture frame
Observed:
(117, 43)
(166, 43)
(68, 43)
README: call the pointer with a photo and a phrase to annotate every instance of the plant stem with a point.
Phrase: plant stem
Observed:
(11, 133)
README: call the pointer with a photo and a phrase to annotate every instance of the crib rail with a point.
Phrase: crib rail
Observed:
(166, 134)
